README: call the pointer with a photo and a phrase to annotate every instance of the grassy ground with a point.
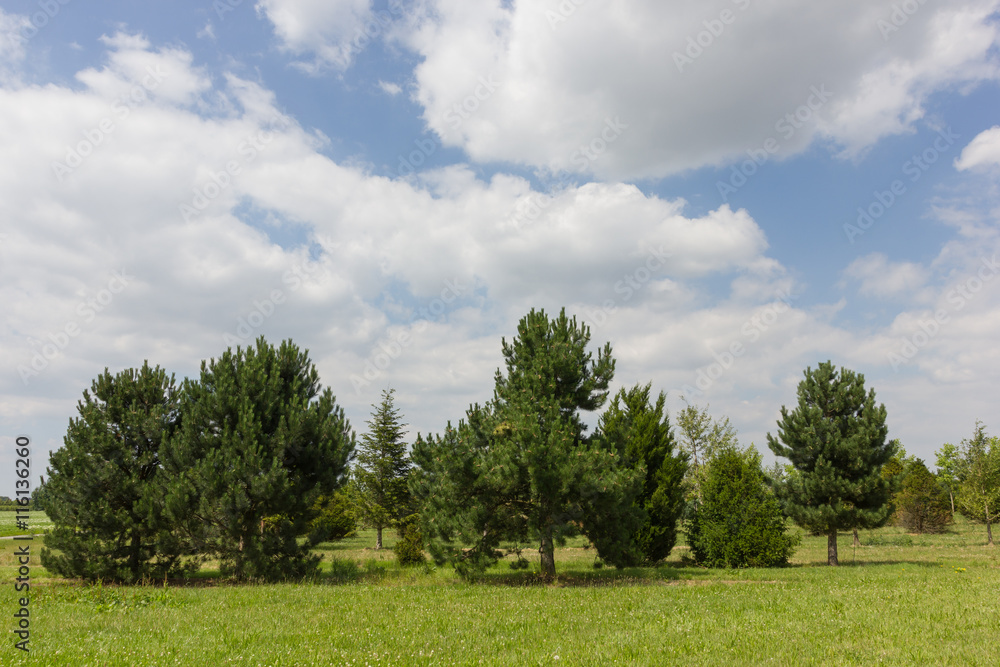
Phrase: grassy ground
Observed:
(903, 600)
(37, 523)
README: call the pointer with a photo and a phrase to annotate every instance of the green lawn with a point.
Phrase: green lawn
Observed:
(909, 600)
(37, 523)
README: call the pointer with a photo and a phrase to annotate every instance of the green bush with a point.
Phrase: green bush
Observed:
(334, 519)
(738, 522)
(409, 549)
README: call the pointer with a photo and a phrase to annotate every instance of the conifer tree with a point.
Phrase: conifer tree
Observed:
(640, 432)
(100, 489)
(702, 438)
(522, 467)
(380, 492)
(836, 439)
(260, 440)
(921, 504)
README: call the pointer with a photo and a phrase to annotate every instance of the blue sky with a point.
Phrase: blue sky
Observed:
(406, 180)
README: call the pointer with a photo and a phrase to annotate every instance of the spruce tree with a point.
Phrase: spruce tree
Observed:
(640, 432)
(836, 439)
(381, 498)
(100, 493)
(522, 467)
(260, 441)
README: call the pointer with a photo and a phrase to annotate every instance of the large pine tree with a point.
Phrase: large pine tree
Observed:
(640, 432)
(522, 467)
(836, 439)
(100, 492)
(379, 475)
(259, 442)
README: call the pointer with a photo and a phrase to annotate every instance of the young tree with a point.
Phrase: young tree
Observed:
(836, 439)
(979, 492)
(522, 467)
(640, 432)
(100, 488)
(921, 504)
(380, 470)
(738, 522)
(702, 438)
(259, 442)
(949, 468)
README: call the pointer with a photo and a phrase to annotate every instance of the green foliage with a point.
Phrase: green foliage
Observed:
(379, 484)
(702, 438)
(101, 494)
(738, 522)
(409, 549)
(836, 439)
(521, 467)
(979, 491)
(259, 438)
(334, 518)
(922, 505)
(640, 432)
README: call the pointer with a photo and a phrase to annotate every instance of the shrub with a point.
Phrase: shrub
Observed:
(409, 549)
(922, 505)
(334, 519)
(738, 522)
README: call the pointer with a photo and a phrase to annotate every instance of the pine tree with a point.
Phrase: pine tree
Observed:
(836, 439)
(379, 476)
(738, 522)
(100, 489)
(522, 467)
(640, 432)
(921, 504)
(260, 440)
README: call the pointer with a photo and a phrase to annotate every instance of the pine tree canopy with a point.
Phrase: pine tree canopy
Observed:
(259, 442)
(522, 467)
(100, 486)
(836, 439)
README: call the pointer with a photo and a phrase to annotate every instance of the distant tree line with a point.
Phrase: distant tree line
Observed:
(253, 464)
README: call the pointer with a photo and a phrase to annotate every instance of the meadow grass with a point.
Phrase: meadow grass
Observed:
(37, 523)
(908, 599)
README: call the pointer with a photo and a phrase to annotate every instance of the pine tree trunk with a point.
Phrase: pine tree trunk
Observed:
(378, 540)
(831, 547)
(857, 542)
(548, 557)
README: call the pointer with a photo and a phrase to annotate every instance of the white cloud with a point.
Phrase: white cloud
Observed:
(333, 31)
(882, 278)
(983, 150)
(12, 28)
(509, 82)
(390, 88)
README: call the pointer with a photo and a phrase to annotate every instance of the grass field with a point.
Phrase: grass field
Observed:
(37, 523)
(906, 599)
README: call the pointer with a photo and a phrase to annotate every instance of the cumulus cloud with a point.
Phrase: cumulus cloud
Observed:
(983, 150)
(882, 278)
(691, 84)
(331, 31)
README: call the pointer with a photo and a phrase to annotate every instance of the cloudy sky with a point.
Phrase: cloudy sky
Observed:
(727, 191)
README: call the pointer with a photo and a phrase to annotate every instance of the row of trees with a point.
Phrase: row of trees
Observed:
(243, 462)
